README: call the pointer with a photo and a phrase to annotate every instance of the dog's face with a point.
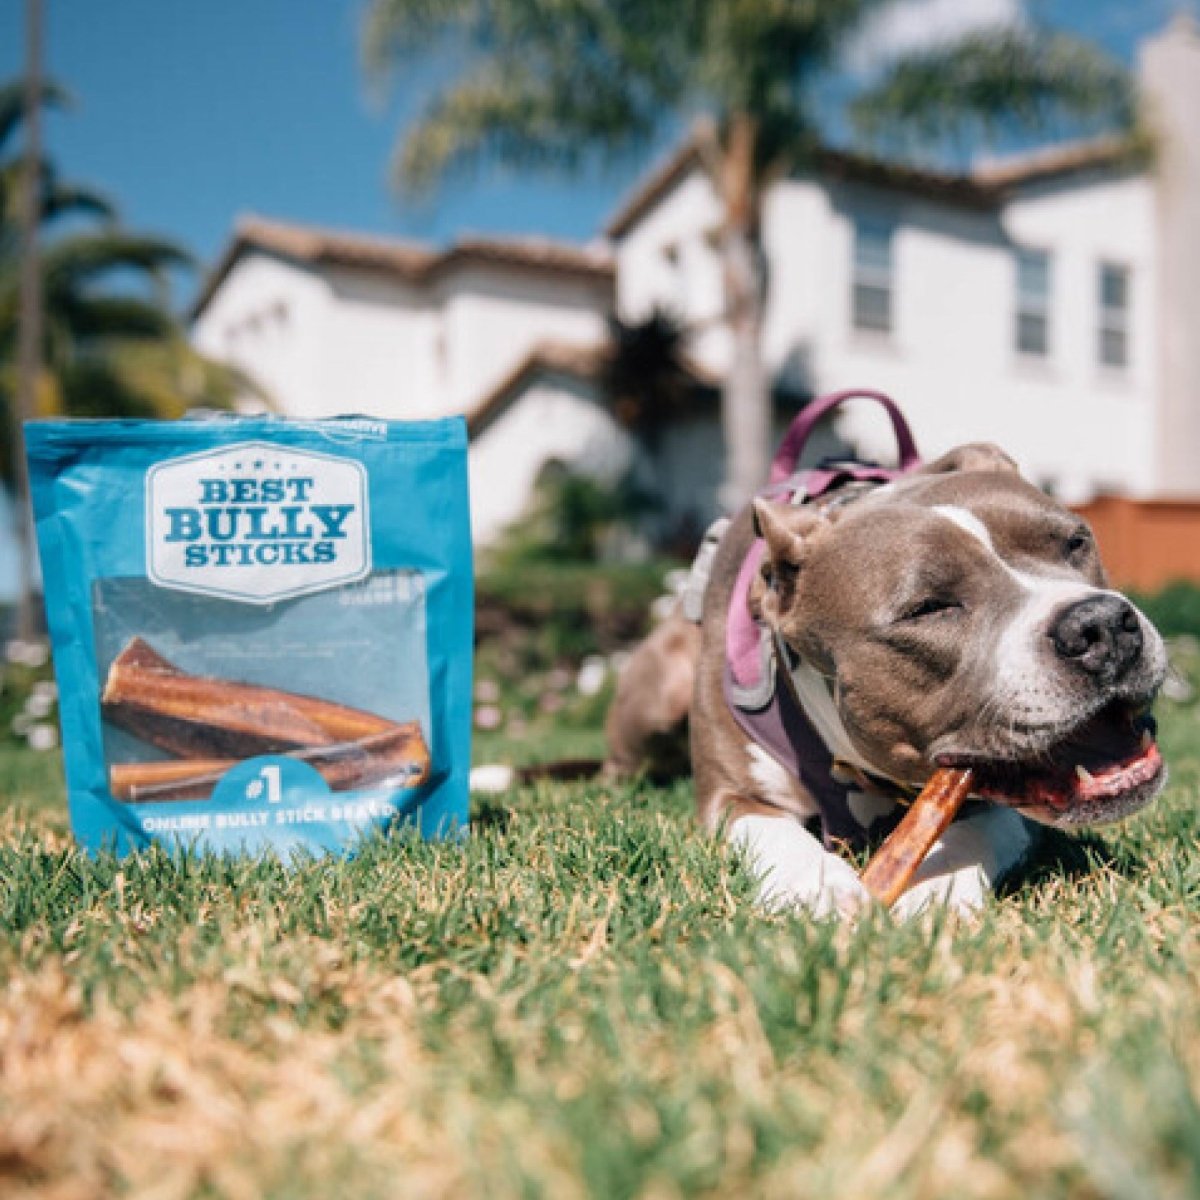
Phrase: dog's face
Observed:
(962, 618)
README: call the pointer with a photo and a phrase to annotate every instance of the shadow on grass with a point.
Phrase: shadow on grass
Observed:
(1057, 855)
(490, 812)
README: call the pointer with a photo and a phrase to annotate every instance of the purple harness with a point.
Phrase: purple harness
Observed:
(758, 682)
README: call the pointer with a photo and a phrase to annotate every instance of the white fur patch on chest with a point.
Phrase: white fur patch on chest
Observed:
(821, 711)
(866, 809)
(776, 784)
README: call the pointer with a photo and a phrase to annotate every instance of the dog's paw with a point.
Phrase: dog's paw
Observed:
(966, 863)
(795, 871)
(963, 892)
(830, 888)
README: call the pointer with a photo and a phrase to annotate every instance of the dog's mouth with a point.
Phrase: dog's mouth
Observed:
(1105, 768)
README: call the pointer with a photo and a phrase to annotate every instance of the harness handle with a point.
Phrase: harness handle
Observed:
(786, 457)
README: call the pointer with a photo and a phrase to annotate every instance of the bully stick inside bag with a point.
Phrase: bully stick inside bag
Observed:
(261, 628)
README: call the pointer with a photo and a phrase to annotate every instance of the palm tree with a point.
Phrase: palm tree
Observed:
(107, 349)
(644, 375)
(562, 83)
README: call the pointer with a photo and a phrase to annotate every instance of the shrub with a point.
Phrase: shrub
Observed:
(28, 698)
(1175, 610)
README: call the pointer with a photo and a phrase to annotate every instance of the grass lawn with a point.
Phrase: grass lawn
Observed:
(582, 1002)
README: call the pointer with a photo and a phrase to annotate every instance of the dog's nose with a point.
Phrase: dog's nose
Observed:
(1101, 634)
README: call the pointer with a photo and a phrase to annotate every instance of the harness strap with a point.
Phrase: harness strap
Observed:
(788, 454)
(800, 728)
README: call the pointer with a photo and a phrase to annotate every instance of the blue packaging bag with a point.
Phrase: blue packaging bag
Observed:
(262, 629)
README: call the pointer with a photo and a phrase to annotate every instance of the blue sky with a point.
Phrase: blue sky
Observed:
(191, 111)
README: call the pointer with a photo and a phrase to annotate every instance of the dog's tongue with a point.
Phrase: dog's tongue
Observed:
(1107, 757)
(1064, 790)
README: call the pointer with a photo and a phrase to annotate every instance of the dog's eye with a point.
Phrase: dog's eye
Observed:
(931, 606)
(1077, 546)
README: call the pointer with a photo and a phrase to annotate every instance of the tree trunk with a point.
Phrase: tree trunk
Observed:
(29, 348)
(745, 399)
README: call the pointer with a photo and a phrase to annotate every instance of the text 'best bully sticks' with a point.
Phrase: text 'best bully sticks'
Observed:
(211, 724)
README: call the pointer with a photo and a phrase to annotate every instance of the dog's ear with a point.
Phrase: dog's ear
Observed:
(785, 527)
(975, 456)
(788, 531)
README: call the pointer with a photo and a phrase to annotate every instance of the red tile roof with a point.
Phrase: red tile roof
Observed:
(1052, 162)
(582, 362)
(585, 362)
(399, 258)
(983, 187)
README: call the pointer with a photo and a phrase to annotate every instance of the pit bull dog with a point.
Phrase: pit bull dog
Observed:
(955, 616)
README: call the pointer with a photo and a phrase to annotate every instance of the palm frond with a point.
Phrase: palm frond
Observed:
(994, 82)
(80, 259)
(171, 377)
(533, 120)
(759, 57)
(97, 387)
(74, 199)
(85, 318)
(393, 30)
(12, 103)
(554, 84)
(57, 198)
(533, 86)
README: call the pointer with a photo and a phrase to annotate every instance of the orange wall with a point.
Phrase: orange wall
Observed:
(1146, 543)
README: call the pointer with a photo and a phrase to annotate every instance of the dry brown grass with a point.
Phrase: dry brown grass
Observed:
(582, 1002)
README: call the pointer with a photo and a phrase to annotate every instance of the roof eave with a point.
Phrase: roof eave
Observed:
(320, 249)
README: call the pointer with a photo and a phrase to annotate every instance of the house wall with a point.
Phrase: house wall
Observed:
(556, 418)
(360, 341)
(950, 358)
(1072, 424)
(667, 261)
(267, 318)
(1169, 72)
(379, 349)
(494, 317)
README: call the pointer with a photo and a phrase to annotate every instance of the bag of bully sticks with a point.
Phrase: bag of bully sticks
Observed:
(261, 628)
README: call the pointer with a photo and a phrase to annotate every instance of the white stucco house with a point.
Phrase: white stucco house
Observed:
(1050, 303)
(329, 322)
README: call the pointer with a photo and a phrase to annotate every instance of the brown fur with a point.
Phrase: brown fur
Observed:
(646, 728)
(837, 588)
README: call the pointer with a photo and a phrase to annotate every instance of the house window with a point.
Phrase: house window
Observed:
(1033, 302)
(871, 296)
(1113, 334)
(441, 356)
(677, 293)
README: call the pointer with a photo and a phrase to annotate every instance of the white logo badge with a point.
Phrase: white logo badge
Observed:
(257, 522)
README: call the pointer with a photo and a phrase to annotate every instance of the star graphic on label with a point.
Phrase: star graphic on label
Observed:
(258, 465)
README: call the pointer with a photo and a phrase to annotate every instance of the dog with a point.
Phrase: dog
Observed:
(955, 616)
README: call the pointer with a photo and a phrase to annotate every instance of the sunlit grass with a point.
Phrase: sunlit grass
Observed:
(582, 1001)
